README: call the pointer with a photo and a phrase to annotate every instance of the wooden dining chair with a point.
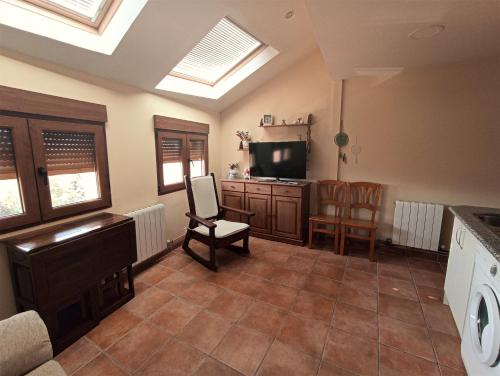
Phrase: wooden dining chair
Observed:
(330, 194)
(361, 196)
(206, 224)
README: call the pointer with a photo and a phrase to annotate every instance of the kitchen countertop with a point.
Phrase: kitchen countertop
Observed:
(484, 233)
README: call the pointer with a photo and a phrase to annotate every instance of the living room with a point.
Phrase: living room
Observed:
(404, 97)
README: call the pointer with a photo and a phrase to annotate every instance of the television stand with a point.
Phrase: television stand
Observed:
(281, 208)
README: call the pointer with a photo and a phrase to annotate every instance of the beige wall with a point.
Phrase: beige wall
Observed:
(130, 141)
(429, 135)
(303, 88)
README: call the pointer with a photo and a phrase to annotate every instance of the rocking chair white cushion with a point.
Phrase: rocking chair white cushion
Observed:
(223, 229)
(204, 195)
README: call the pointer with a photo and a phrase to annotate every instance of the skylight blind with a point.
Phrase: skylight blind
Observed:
(196, 150)
(85, 8)
(217, 53)
(171, 150)
(7, 157)
(68, 153)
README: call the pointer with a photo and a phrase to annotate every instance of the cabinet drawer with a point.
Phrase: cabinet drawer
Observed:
(235, 187)
(283, 190)
(262, 189)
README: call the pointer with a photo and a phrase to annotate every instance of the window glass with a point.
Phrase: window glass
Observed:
(10, 195)
(71, 167)
(173, 169)
(197, 157)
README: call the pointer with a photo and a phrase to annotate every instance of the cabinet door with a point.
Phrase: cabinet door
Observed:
(261, 206)
(287, 217)
(459, 273)
(233, 200)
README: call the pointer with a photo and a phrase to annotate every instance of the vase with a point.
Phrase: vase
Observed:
(232, 174)
(244, 144)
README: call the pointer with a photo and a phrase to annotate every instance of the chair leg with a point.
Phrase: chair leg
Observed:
(246, 249)
(372, 245)
(213, 261)
(311, 224)
(336, 240)
(342, 239)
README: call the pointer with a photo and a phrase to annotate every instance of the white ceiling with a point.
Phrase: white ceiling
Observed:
(372, 35)
(166, 30)
(355, 37)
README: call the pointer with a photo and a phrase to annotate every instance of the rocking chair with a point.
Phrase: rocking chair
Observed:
(206, 223)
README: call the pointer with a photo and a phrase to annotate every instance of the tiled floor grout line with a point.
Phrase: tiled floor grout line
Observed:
(241, 272)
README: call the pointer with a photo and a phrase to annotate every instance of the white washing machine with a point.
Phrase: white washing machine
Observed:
(481, 334)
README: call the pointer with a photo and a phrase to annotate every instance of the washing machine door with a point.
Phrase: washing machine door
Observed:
(484, 321)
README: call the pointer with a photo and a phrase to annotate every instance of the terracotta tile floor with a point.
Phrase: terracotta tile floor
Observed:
(284, 310)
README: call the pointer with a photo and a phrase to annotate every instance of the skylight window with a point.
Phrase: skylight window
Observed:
(96, 25)
(88, 12)
(222, 50)
(85, 8)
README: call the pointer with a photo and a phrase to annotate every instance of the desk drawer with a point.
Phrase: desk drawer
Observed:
(235, 187)
(262, 189)
(287, 191)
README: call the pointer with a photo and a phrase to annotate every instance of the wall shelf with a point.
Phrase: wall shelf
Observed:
(285, 125)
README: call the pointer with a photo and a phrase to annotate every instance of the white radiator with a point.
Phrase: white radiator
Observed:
(150, 231)
(417, 224)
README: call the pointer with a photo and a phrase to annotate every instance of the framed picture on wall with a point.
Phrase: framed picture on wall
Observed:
(267, 119)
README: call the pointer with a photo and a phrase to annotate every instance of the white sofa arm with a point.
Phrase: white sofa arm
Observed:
(24, 344)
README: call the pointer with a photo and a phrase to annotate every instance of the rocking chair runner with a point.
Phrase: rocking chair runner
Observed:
(206, 223)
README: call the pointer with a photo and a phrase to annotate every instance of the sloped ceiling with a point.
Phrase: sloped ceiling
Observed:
(167, 29)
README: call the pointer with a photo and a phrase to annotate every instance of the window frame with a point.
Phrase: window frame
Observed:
(25, 174)
(36, 129)
(166, 127)
(20, 107)
(73, 18)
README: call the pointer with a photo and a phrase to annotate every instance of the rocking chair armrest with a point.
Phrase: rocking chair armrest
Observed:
(201, 221)
(240, 211)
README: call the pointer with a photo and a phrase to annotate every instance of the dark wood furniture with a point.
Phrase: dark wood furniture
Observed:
(281, 210)
(331, 194)
(361, 196)
(211, 218)
(74, 274)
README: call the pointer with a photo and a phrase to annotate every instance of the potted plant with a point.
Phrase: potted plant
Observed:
(245, 138)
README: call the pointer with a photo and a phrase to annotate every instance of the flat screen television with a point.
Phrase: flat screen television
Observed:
(281, 160)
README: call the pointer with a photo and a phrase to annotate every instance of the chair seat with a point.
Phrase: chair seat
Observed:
(358, 223)
(223, 229)
(323, 218)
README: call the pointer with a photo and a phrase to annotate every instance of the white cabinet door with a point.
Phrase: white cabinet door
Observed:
(459, 272)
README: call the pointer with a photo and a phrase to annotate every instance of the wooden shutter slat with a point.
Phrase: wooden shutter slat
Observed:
(7, 156)
(171, 150)
(197, 150)
(69, 152)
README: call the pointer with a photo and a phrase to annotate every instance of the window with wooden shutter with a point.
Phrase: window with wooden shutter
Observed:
(197, 155)
(179, 152)
(51, 168)
(172, 146)
(71, 165)
(18, 199)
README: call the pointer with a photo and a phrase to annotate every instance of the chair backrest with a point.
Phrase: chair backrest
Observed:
(364, 195)
(331, 193)
(202, 196)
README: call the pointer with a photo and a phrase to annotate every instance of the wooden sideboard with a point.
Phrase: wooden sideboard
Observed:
(74, 274)
(281, 210)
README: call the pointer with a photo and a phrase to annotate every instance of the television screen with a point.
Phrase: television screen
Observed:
(283, 160)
